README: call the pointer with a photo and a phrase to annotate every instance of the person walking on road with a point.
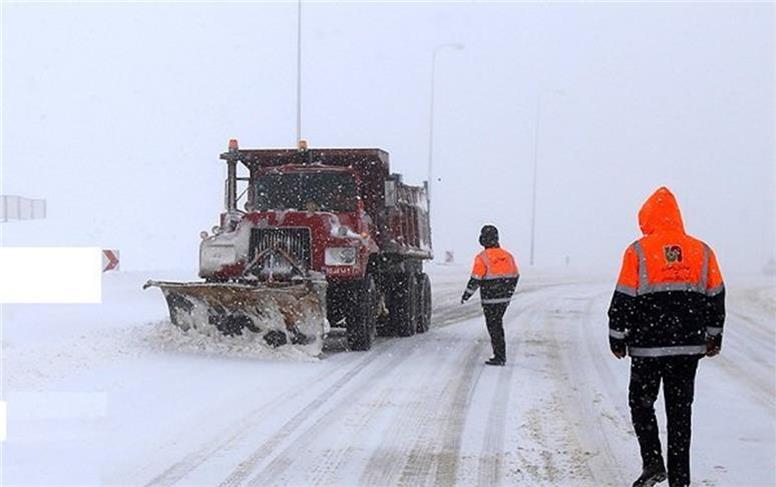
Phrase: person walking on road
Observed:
(667, 312)
(495, 274)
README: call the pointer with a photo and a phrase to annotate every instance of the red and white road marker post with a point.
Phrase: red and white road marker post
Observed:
(110, 260)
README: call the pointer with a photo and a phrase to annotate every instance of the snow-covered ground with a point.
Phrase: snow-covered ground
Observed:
(111, 394)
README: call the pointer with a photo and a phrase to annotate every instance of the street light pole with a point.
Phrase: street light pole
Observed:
(434, 53)
(298, 73)
(536, 169)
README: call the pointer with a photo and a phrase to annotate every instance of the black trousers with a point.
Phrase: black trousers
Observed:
(678, 376)
(494, 320)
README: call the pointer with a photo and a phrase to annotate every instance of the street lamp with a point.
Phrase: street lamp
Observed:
(536, 167)
(298, 72)
(437, 49)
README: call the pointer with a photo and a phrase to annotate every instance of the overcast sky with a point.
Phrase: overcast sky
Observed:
(116, 114)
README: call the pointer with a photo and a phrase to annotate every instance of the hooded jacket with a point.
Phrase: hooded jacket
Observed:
(494, 272)
(670, 296)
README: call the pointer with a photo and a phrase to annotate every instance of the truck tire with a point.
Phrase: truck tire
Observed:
(362, 319)
(337, 303)
(424, 303)
(404, 304)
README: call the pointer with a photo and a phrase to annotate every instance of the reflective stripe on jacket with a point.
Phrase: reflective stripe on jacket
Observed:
(670, 294)
(495, 273)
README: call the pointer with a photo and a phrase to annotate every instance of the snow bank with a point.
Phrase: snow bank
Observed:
(49, 343)
(164, 336)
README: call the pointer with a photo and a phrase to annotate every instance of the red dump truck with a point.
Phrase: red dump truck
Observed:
(311, 238)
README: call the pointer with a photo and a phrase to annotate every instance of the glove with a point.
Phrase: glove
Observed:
(464, 298)
(618, 347)
(713, 345)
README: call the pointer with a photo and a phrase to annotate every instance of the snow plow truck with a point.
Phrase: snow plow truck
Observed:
(324, 237)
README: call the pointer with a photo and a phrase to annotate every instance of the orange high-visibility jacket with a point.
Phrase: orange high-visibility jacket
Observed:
(495, 273)
(670, 294)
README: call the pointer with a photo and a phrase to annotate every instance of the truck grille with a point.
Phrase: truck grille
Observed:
(295, 241)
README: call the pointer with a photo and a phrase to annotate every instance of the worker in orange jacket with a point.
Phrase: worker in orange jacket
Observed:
(495, 274)
(667, 312)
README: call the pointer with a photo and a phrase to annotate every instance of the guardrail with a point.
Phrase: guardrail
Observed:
(20, 208)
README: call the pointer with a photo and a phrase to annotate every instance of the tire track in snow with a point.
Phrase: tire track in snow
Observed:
(247, 467)
(414, 464)
(241, 428)
(490, 463)
(594, 333)
(399, 393)
(751, 344)
(238, 431)
(557, 450)
(449, 411)
(415, 420)
(747, 356)
(274, 470)
(449, 457)
(539, 457)
(763, 335)
(326, 472)
(331, 459)
(454, 312)
(577, 361)
(493, 457)
(758, 390)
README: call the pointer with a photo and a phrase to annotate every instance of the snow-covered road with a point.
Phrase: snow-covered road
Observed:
(103, 395)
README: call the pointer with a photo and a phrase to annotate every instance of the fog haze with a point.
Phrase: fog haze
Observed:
(116, 114)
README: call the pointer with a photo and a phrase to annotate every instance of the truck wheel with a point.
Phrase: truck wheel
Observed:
(337, 303)
(404, 305)
(362, 320)
(424, 303)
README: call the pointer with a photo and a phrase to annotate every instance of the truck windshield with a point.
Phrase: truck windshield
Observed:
(305, 192)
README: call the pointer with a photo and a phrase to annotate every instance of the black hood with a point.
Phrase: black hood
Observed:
(489, 236)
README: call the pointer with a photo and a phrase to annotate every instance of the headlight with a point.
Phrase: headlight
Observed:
(341, 256)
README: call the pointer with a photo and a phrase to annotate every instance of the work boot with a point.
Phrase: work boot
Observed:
(495, 361)
(651, 475)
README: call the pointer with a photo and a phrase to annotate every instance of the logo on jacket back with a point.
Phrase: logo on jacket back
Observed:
(673, 253)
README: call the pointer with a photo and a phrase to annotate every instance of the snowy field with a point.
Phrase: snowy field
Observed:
(112, 394)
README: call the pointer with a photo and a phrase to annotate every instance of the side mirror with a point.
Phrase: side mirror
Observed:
(390, 194)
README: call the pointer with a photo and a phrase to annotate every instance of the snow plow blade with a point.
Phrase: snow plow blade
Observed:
(284, 314)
